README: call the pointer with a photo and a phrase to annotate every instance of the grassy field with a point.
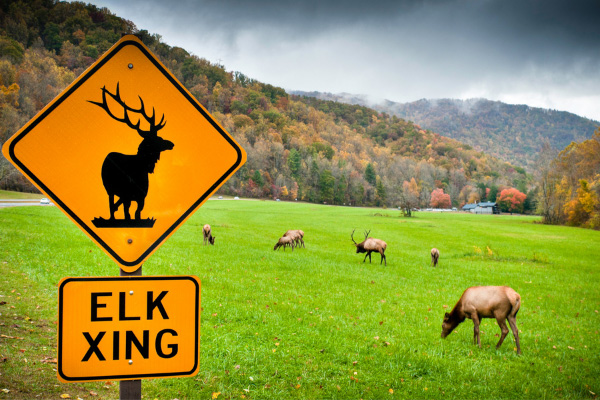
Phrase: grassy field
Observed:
(317, 322)
(9, 195)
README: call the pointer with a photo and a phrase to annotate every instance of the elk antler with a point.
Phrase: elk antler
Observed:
(352, 236)
(367, 234)
(154, 128)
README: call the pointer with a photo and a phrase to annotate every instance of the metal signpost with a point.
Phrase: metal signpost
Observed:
(128, 154)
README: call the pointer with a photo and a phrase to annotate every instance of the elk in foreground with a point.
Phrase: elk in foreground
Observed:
(284, 242)
(370, 245)
(500, 302)
(297, 235)
(126, 175)
(435, 255)
(207, 233)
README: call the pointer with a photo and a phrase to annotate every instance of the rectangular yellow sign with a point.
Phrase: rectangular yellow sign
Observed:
(123, 328)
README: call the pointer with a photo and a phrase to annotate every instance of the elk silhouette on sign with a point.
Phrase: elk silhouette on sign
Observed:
(126, 175)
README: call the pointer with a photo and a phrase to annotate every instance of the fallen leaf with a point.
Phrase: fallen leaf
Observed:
(237, 367)
(354, 362)
(298, 386)
(570, 348)
(49, 360)
(93, 393)
(215, 395)
(6, 390)
(391, 391)
(376, 337)
(65, 396)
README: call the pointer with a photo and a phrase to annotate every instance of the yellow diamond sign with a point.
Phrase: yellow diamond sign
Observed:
(126, 152)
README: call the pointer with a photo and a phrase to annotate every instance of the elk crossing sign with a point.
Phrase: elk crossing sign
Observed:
(128, 327)
(126, 152)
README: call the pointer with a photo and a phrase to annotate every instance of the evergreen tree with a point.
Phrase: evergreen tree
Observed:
(370, 174)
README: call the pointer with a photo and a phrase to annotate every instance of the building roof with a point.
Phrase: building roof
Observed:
(469, 206)
(487, 204)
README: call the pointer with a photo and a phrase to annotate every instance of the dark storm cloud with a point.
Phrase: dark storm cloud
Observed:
(545, 53)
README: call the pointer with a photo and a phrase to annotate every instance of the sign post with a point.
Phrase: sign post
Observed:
(128, 154)
(130, 389)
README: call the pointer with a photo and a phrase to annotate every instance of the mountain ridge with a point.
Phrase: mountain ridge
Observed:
(511, 132)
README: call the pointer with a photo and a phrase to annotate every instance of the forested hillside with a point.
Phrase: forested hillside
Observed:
(514, 133)
(298, 147)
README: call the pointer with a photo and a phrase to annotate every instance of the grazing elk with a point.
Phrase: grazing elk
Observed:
(207, 233)
(285, 242)
(500, 302)
(297, 235)
(435, 255)
(126, 175)
(370, 245)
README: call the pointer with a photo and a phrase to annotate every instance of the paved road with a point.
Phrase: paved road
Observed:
(17, 203)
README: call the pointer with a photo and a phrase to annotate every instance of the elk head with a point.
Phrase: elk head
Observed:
(360, 247)
(448, 325)
(152, 145)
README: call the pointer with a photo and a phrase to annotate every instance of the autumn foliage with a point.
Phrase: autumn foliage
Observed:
(511, 200)
(570, 185)
(439, 199)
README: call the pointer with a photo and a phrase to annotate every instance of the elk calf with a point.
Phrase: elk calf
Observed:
(435, 255)
(370, 245)
(207, 233)
(297, 235)
(285, 242)
(500, 302)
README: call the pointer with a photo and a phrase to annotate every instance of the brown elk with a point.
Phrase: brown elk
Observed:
(297, 235)
(284, 242)
(126, 175)
(207, 233)
(370, 245)
(435, 255)
(500, 302)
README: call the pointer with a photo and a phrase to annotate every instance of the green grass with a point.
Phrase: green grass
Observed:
(317, 322)
(9, 195)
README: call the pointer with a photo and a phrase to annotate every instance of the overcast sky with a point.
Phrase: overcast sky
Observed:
(544, 53)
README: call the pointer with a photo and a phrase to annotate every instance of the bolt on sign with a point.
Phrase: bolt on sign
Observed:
(124, 328)
(126, 152)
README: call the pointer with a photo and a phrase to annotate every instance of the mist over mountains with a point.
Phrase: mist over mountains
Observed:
(514, 133)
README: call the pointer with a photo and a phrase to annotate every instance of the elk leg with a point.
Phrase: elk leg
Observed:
(111, 205)
(370, 258)
(504, 328)
(138, 212)
(126, 205)
(512, 320)
(476, 339)
(365, 259)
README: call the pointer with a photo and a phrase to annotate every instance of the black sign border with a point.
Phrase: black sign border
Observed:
(135, 376)
(63, 96)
